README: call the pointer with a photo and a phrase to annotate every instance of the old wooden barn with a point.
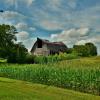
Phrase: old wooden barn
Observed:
(45, 47)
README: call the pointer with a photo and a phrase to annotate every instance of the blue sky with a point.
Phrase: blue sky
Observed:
(69, 21)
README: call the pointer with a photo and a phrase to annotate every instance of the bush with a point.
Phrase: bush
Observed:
(29, 59)
(15, 58)
(54, 58)
(71, 56)
(62, 56)
(89, 49)
(40, 59)
(17, 54)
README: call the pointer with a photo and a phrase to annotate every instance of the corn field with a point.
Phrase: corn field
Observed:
(79, 75)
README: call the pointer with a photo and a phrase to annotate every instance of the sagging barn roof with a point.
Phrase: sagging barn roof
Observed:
(53, 46)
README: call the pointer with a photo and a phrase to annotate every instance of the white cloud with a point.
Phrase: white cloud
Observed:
(11, 15)
(21, 26)
(70, 34)
(83, 31)
(23, 35)
(29, 43)
(50, 25)
(15, 2)
(32, 29)
(94, 39)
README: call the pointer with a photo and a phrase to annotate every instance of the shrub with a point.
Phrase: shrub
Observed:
(29, 59)
(54, 58)
(17, 54)
(71, 56)
(89, 49)
(62, 56)
(40, 59)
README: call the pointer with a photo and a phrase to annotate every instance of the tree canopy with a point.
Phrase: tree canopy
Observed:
(89, 49)
(7, 38)
(7, 35)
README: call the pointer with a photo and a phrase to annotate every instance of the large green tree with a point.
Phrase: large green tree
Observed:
(7, 35)
(7, 38)
(9, 48)
(89, 49)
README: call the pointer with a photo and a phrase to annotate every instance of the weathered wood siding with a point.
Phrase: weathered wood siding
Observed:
(41, 51)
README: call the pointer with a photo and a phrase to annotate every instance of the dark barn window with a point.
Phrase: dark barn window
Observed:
(50, 52)
(39, 44)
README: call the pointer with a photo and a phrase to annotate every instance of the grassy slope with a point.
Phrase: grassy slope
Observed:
(20, 90)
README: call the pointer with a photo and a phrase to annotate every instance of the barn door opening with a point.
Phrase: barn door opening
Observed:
(39, 44)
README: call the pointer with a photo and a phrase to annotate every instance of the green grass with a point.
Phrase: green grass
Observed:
(3, 60)
(20, 90)
(79, 74)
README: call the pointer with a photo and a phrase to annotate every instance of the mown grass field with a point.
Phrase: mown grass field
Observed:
(20, 90)
(79, 74)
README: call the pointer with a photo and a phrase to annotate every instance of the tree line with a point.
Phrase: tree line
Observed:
(89, 49)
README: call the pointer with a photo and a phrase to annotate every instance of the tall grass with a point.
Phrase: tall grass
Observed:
(80, 75)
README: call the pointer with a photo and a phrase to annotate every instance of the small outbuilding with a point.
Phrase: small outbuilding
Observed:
(45, 47)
